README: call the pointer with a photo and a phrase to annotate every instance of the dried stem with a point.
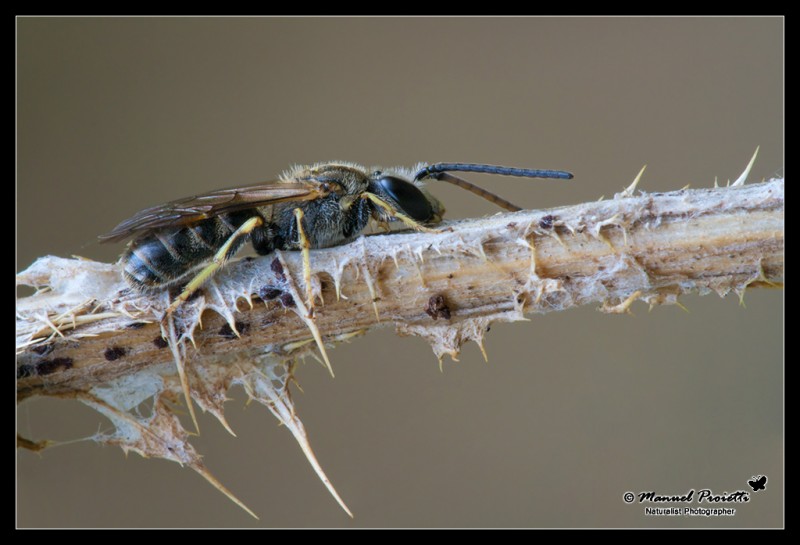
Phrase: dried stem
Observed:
(84, 334)
(653, 247)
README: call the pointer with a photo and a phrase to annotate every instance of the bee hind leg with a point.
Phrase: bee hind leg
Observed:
(219, 260)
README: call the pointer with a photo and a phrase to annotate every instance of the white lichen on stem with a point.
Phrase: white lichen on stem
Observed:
(84, 334)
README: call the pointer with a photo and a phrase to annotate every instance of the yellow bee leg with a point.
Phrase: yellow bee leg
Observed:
(219, 260)
(392, 211)
(305, 247)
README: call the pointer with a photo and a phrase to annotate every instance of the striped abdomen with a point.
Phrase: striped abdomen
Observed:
(167, 256)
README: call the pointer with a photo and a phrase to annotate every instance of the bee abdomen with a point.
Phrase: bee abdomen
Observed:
(168, 256)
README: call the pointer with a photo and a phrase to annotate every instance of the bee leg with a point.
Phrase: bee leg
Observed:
(392, 211)
(222, 256)
(305, 246)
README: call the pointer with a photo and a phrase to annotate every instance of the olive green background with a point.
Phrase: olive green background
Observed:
(573, 409)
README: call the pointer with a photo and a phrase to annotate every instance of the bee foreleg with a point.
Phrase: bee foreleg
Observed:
(305, 246)
(392, 211)
(222, 256)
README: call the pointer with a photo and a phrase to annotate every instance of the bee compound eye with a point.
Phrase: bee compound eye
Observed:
(407, 196)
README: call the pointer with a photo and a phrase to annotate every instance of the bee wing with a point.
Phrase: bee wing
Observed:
(191, 209)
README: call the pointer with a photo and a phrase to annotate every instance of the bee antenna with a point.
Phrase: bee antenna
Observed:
(439, 171)
(433, 171)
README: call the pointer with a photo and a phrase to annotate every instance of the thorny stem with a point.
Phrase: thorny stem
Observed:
(85, 329)
(662, 245)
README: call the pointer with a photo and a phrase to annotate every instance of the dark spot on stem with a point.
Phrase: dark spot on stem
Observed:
(268, 293)
(48, 367)
(228, 333)
(160, 342)
(547, 221)
(114, 353)
(437, 308)
(277, 268)
(287, 300)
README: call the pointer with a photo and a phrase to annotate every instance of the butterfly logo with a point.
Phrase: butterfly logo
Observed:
(758, 483)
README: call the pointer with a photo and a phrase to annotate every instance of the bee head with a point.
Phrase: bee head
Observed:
(410, 198)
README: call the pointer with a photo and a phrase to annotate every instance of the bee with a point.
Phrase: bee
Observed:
(188, 240)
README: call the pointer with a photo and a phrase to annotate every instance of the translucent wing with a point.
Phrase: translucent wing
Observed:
(191, 209)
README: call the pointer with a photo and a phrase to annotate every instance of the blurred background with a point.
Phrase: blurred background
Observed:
(572, 410)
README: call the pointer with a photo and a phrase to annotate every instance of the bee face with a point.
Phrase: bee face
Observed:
(407, 196)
